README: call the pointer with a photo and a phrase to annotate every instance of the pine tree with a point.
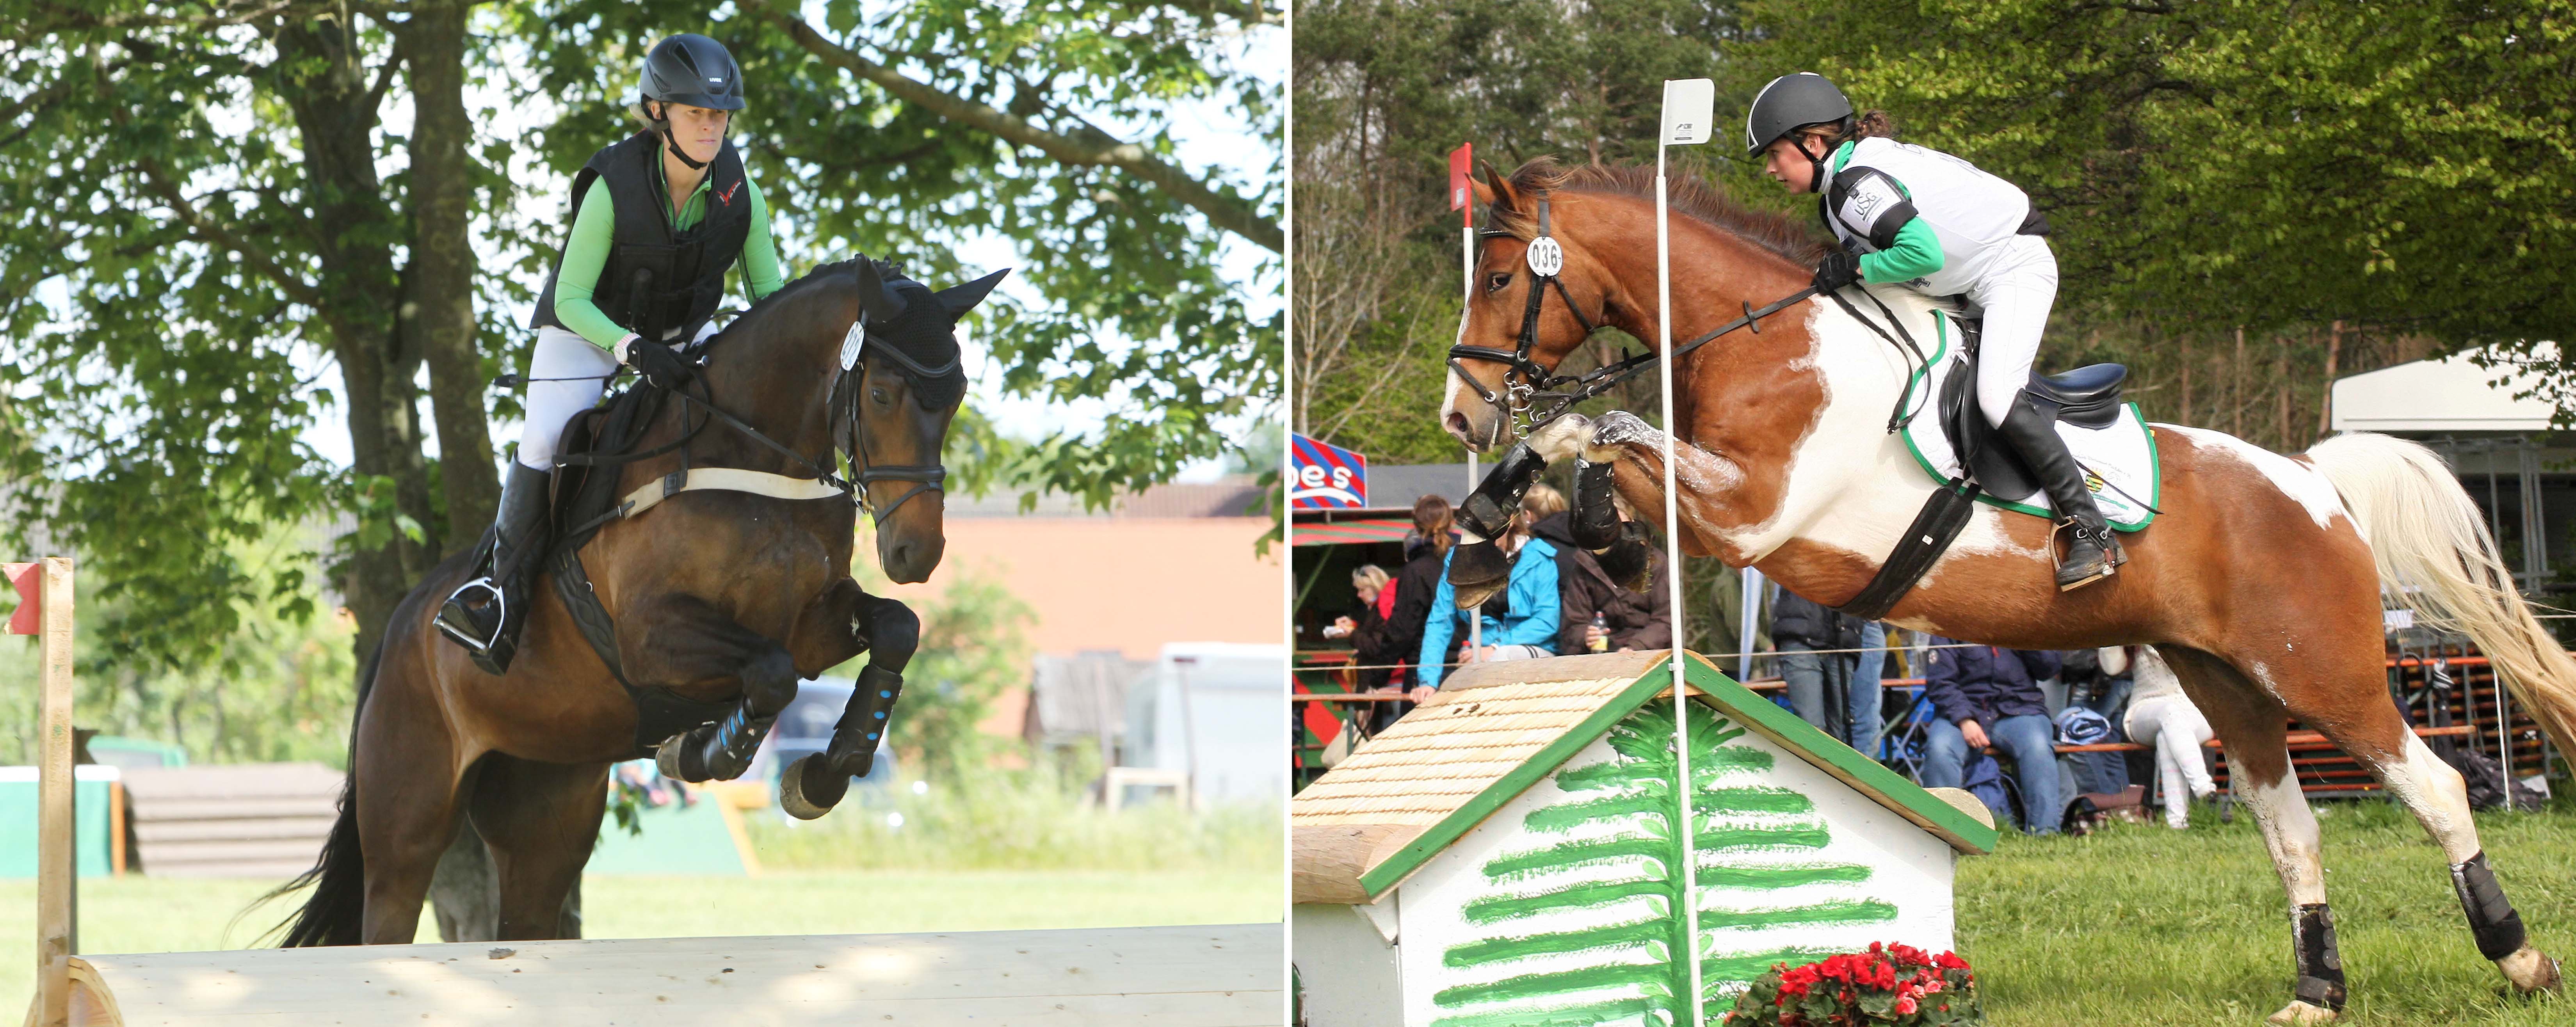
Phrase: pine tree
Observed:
(1594, 910)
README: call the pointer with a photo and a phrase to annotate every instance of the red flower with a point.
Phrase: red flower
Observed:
(1905, 1005)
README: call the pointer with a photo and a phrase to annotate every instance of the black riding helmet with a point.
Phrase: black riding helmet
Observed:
(1790, 103)
(689, 69)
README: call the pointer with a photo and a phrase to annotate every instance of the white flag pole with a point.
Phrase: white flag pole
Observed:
(1467, 297)
(1688, 105)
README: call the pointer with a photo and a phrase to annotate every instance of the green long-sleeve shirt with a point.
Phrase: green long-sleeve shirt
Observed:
(594, 228)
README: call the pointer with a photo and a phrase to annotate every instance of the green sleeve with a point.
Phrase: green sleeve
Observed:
(760, 252)
(1917, 253)
(577, 276)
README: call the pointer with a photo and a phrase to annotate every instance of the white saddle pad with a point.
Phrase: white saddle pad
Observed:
(2119, 461)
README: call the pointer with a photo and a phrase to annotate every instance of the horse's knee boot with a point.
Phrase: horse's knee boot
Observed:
(1487, 512)
(864, 723)
(2498, 929)
(893, 634)
(1596, 518)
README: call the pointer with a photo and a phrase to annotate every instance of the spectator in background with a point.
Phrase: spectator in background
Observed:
(1520, 621)
(1824, 687)
(1372, 647)
(1986, 695)
(1629, 620)
(2161, 716)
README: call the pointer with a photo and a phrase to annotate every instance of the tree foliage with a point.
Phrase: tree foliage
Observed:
(236, 218)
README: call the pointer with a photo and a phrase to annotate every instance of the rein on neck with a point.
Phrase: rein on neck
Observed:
(1537, 395)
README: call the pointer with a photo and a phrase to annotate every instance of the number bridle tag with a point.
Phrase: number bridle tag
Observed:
(1546, 258)
(851, 343)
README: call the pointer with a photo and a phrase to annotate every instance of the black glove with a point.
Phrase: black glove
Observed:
(1838, 269)
(661, 366)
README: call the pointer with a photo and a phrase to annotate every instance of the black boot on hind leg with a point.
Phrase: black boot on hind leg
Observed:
(484, 615)
(816, 782)
(1478, 569)
(2092, 554)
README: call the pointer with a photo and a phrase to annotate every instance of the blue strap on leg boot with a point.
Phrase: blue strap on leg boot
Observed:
(863, 726)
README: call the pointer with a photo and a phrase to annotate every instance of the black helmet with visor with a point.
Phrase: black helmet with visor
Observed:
(693, 70)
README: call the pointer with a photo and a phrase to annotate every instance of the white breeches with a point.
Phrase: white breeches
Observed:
(2177, 730)
(552, 404)
(2019, 286)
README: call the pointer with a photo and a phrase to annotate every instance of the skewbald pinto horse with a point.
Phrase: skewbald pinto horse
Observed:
(2261, 583)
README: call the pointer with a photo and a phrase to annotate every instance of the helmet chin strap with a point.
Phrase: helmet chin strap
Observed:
(1815, 183)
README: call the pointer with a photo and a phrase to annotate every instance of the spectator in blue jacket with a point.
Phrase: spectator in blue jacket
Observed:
(1986, 695)
(1525, 624)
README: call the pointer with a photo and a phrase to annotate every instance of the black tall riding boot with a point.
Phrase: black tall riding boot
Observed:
(2091, 552)
(484, 615)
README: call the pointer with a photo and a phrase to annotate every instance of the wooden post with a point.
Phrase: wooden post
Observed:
(54, 867)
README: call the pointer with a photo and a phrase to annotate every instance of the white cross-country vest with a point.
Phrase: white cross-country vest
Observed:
(1881, 182)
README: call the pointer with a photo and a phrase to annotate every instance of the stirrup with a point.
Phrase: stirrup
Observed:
(498, 602)
(2107, 564)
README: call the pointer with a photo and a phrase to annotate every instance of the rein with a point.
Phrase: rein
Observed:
(824, 485)
(1538, 395)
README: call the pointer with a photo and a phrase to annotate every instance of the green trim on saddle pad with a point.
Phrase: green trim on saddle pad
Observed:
(1932, 405)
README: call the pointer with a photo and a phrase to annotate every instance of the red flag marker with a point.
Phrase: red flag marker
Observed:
(1460, 161)
(28, 577)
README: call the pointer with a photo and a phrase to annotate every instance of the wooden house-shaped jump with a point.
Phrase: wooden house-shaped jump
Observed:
(1508, 853)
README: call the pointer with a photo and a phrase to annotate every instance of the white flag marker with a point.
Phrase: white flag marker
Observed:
(1689, 105)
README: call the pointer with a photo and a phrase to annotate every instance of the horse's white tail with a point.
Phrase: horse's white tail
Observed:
(2436, 557)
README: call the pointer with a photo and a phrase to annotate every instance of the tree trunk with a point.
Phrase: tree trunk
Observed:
(438, 290)
(2325, 400)
(335, 115)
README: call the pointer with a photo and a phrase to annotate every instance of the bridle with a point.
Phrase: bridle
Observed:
(1537, 395)
(931, 477)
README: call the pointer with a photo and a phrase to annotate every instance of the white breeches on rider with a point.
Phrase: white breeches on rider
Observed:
(2019, 286)
(552, 404)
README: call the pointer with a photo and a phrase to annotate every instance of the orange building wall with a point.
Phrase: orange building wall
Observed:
(1125, 583)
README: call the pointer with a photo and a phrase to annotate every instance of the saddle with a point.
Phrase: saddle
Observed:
(2088, 397)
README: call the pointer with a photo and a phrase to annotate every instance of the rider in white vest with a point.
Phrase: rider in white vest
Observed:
(1913, 216)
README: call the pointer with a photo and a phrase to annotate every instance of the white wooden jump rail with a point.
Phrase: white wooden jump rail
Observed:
(1197, 976)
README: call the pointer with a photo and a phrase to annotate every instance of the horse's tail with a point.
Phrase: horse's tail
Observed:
(335, 913)
(2436, 557)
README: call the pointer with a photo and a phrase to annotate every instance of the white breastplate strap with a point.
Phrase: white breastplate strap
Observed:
(728, 479)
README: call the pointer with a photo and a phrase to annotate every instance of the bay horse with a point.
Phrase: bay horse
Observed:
(2261, 582)
(720, 600)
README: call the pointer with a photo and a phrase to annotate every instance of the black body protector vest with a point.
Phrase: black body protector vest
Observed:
(658, 283)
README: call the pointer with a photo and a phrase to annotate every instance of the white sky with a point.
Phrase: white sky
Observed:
(1206, 134)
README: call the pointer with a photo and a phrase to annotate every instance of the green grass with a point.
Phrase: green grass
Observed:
(143, 914)
(2147, 926)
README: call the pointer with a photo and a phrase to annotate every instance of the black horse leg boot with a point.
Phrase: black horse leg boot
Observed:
(1478, 568)
(484, 615)
(2091, 552)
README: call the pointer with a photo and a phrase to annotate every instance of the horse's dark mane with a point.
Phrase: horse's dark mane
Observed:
(1779, 234)
(839, 272)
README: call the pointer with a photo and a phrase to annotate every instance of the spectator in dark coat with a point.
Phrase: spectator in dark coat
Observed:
(1825, 688)
(1635, 620)
(1985, 695)
(1372, 644)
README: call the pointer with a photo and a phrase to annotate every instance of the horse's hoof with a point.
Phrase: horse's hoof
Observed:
(1477, 570)
(2300, 1012)
(2530, 970)
(791, 792)
(672, 759)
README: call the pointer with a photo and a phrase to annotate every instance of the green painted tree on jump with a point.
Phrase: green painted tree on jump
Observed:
(1587, 926)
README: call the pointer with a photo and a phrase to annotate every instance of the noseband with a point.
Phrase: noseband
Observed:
(927, 477)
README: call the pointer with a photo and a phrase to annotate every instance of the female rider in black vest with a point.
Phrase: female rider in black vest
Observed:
(636, 283)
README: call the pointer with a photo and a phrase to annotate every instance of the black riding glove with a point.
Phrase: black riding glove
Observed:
(1838, 269)
(661, 365)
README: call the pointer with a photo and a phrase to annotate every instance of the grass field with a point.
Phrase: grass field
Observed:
(2147, 926)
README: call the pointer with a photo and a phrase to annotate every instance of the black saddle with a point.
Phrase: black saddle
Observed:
(2087, 397)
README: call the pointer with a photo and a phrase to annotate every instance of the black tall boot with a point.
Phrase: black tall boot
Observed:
(2091, 552)
(484, 615)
